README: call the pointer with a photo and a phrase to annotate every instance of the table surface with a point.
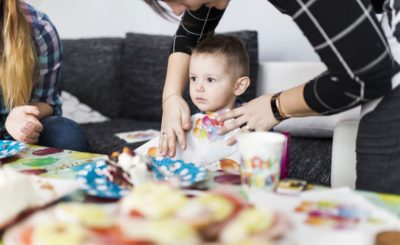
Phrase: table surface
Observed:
(57, 163)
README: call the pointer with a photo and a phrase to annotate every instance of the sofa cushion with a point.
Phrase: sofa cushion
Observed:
(102, 137)
(310, 159)
(91, 71)
(144, 67)
(73, 109)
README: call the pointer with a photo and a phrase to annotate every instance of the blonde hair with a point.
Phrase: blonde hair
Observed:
(18, 57)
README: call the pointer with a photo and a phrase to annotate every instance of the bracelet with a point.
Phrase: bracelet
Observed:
(276, 107)
(169, 96)
(278, 102)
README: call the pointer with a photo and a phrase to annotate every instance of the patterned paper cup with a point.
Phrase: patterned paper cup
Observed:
(261, 158)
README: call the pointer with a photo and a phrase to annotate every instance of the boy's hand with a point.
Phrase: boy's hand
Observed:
(22, 124)
(175, 120)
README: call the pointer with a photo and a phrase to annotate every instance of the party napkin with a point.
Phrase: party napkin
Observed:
(204, 146)
(138, 136)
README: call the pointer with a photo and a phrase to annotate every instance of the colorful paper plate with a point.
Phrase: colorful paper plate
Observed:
(94, 181)
(9, 148)
(188, 174)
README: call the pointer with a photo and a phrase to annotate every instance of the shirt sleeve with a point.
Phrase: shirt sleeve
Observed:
(195, 26)
(348, 39)
(46, 88)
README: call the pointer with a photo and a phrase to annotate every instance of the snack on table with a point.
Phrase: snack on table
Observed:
(17, 195)
(135, 166)
(90, 215)
(250, 222)
(215, 216)
(160, 231)
(387, 238)
(153, 214)
(59, 233)
(152, 201)
(210, 208)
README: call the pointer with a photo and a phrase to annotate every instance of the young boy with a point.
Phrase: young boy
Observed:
(218, 74)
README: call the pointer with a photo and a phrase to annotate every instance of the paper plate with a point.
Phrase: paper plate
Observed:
(187, 173)
(94, 181)
(9, 148)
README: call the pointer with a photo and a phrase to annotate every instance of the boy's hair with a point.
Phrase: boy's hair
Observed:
(231, 48)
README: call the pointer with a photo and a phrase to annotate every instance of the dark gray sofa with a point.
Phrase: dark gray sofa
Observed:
(122, 78)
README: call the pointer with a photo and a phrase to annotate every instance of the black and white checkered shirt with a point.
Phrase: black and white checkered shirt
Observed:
(345, 34)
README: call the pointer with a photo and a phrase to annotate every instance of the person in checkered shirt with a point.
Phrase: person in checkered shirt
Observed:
(30, 62)
(348, 38)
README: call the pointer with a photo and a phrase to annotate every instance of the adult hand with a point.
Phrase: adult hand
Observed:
(175, 120)
(255, 115)
(22, 124)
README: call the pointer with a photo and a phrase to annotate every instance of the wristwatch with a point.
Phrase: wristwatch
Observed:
(276, 107)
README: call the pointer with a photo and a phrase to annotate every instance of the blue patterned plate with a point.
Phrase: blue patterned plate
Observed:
(9, 148)
(188, 174)
(94, 181)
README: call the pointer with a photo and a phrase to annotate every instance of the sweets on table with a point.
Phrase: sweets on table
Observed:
(153, 213)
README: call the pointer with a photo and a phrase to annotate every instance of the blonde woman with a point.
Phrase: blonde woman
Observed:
(30, 61)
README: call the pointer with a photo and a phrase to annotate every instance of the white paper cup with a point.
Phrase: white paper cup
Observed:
(261, 158)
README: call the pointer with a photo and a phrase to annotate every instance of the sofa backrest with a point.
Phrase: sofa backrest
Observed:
(91, 71)
(125, 77)
(145, 64)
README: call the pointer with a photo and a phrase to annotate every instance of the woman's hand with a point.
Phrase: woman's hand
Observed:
(22, 124)
(175, 121)
(254, 115)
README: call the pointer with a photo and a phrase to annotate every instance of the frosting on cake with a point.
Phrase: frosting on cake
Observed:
(135, 165)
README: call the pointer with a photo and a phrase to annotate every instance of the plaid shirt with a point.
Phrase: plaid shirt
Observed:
(49, 51)
(344, 33)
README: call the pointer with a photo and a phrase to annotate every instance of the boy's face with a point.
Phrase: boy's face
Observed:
(212, 86)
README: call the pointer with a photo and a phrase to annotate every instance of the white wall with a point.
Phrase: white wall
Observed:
(279, 37)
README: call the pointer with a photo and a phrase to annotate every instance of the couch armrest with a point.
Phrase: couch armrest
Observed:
(277, 76)
(343, 170)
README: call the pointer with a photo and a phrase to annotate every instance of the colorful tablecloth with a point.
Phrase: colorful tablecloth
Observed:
(50, 162)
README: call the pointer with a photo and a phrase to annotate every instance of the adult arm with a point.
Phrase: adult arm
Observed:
(353, 48)
(46, 91)
(355, 51)
(194, 26)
